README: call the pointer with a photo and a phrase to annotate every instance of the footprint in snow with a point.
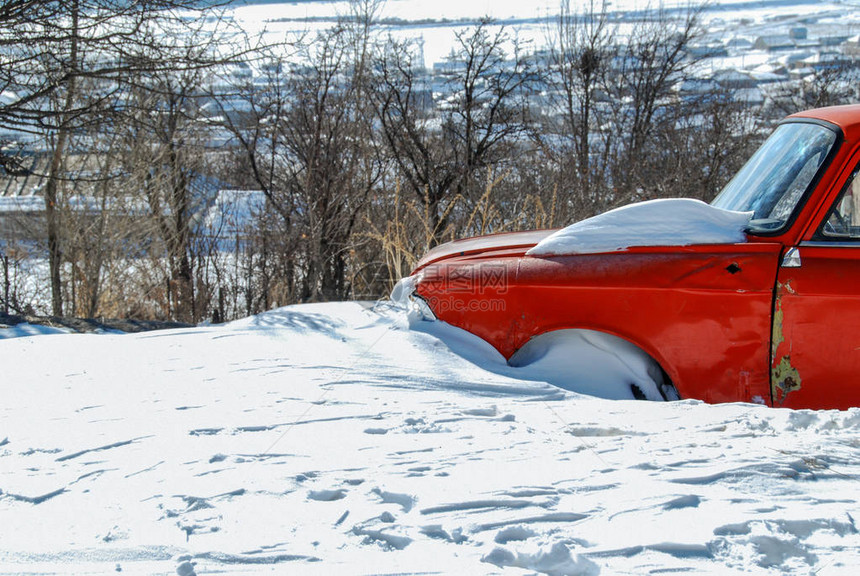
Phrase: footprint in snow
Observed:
(556, 560)
(513, 534)
(688, 501)
(382, 531)
(327, 495)
(387, 540)
(436, 531)
(417, 471)
(405, 501)
(489, 412)
(185, 568)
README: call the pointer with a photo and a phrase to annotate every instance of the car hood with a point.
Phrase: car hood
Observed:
(513, 241)
(666, 223)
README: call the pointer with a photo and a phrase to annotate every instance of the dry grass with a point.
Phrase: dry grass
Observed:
(412, 230)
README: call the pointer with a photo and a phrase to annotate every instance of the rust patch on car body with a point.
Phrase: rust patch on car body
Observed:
(784, 378)
(776, 337)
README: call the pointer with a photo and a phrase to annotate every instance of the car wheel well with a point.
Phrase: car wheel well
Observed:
(597, 355)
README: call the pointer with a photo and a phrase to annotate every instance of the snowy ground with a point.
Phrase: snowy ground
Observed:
(335, 439)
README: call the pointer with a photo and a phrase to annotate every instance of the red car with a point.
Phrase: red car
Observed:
(763, 306)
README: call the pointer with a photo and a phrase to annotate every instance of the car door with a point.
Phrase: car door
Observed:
(815, 346)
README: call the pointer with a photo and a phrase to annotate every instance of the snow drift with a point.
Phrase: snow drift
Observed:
(336, 438)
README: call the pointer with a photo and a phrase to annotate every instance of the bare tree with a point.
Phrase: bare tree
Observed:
(830, 84)
(644, 70)
(308, 145)
(97, 228)
(327, 133)
(165, 145)
(50, 49)
(443, 149)
(580, 53)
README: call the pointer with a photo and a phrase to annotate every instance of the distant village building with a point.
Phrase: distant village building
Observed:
(827, 60)
(851, 47)
(698, 86)
(449, 66)
(797, 60)
(834, 40)
(734, 79)
(748, 96)
(768, 75)
(713, 50)
(774, 43)
(798, 33)
(739, 44)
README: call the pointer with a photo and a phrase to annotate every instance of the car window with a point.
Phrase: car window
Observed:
(843, 222)
(784, 206)
(773, 182)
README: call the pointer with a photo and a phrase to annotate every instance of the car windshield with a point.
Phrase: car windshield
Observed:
(772, 182)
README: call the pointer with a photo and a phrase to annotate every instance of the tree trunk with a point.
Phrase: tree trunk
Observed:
(52, 213)
(6, 284)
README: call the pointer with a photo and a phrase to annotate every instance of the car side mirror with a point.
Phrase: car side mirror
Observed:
(791, 259)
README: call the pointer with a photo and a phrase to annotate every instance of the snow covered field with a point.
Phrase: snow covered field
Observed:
(437, 23)
(335, 439)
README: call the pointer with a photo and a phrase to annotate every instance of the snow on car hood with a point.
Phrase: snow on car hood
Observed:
(665, 222)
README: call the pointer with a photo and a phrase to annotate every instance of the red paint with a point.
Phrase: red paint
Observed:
(704, 313)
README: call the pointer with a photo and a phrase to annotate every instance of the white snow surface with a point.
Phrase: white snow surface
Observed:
(27, 329)
(662, 222)
(346, 438)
